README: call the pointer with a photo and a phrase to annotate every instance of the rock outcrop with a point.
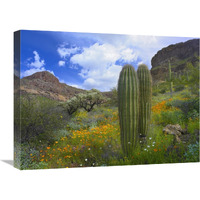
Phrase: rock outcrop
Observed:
(178, 54)
(175, 130)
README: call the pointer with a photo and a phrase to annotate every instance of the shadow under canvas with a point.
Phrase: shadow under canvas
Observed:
(10, 162)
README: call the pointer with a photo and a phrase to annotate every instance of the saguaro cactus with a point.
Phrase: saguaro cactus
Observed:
(145, 95)
(128, 108)
(170, 79)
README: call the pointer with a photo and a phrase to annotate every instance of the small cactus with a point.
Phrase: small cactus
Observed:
(145, 95)
(128, 97)
(170, 79)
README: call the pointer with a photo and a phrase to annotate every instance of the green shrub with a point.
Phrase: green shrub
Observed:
(155, 93)
(190, 107)
(193, 126)
(162, 91)
(169, 117)
(192, 154)
(114, 97)
(89, 99)
(71, 105)
(178, 88)
(38, 119)
(186, 94)
(58, 134)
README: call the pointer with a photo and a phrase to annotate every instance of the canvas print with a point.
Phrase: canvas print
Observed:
(92, 100)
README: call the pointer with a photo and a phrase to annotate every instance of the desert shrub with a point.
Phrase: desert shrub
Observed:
(81, 119)
(58, 134)
(155, 93)
(25, 157)
(186, 94)
(178, 88)
(193, 125)
(114, 97)
(192, 154)
(189, 107)
(162, 91)
(193, 82)
(71, 105)
(73, 125)
(38, 120)
(169, 117)
(89, 99)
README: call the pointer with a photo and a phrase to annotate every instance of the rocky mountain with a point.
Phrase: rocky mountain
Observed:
(178, 54)
(47, 85)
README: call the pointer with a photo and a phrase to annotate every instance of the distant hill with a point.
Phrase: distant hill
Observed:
(178, 54)
(47, 85)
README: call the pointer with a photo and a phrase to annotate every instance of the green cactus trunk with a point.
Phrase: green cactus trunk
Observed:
(128, 108)
(187, 75)
(170, 80)
(145, 95)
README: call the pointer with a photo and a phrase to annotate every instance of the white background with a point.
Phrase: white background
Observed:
(150, 17)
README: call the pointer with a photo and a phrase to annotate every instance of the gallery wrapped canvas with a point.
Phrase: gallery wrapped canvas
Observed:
(92, 100)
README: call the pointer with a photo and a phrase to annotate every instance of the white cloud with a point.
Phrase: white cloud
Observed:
(36, 66)
(66, 52)
(128, 55)
(38, 63)
(32, 71)
(139, 63)
(98, 65)
(74, 85)
(70, 84)
(61, 63)
(144, 47)
(104, 79)
(51, 72)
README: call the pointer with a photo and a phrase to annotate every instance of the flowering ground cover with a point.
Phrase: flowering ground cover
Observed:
(93, 139)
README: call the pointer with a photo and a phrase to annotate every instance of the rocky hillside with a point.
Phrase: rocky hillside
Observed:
(178, 54)
(46, 84)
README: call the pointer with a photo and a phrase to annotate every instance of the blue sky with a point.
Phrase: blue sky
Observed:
(87, 60)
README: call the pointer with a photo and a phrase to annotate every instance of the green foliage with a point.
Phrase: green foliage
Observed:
(193, 82)
(186, 94)
(83, 119)
(128, 98)
(170, 79)
(190, 107)
(89, 99)
(96, 142)
(71, 105)
(114, 97)
(162, 91)
(171, 117)
(192, 154)
(155, 93)
(38, 119)
(145, 95)
(23, 158)
(85, 100)
(193, 125)
(178, 88)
